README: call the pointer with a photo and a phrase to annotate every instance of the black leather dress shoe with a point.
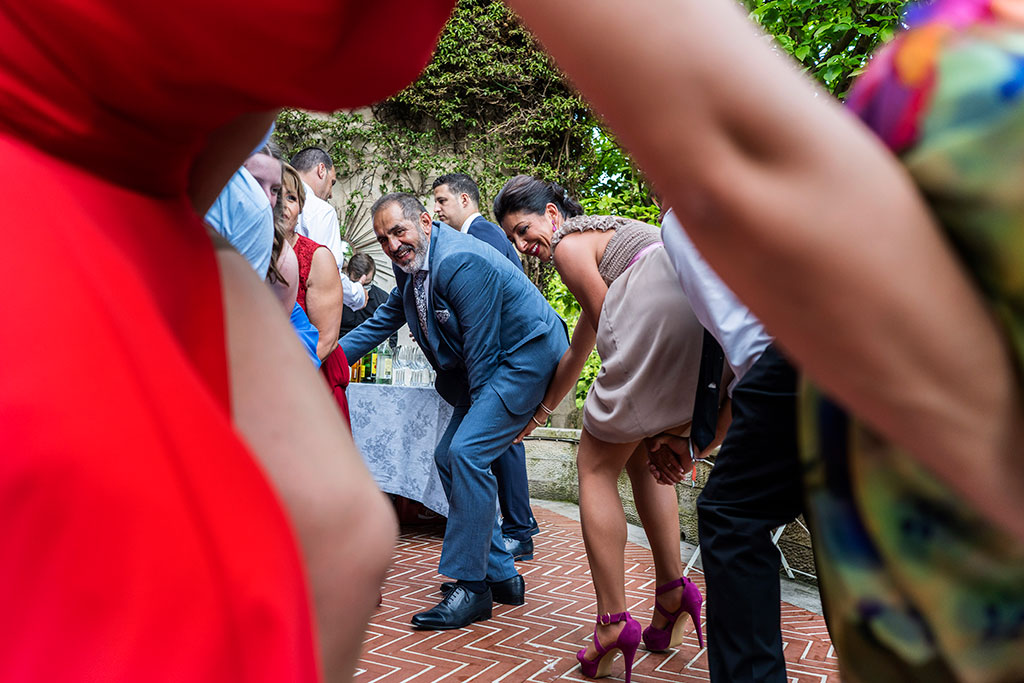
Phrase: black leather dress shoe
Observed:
(508, 592)
(460, 608)
(520, 550)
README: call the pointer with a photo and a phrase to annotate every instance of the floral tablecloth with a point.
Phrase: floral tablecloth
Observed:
(396, 430)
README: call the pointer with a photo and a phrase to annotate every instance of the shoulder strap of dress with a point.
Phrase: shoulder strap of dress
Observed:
(584, 223)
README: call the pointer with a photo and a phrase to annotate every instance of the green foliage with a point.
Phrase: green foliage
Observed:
(497, 103)
(616, 187)
(832, 39)
(621, 205)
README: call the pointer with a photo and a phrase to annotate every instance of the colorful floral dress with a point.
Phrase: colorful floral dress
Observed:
(917, 585)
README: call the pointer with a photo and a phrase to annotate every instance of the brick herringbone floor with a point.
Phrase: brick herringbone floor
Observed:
(537, 641)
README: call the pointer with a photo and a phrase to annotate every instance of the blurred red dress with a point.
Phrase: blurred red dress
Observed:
(141, 541)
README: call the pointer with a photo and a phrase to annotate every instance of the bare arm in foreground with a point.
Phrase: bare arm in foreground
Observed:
(343, 524)
(812, 223)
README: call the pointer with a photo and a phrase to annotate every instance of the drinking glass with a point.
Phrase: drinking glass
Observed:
(399, 366)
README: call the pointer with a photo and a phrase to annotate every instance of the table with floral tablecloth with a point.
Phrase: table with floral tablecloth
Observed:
(396, 429)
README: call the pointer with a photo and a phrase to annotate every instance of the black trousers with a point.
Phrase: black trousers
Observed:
(754, 487)
(514, 494)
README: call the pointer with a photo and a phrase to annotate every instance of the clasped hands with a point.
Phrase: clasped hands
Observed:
(668, 457)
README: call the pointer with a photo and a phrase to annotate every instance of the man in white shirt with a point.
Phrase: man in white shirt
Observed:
(755, 485)
(738, 331)
(319, 221)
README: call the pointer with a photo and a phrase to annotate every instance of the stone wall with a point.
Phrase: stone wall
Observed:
(551, 467)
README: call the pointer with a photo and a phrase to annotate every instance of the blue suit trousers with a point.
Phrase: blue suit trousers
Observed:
(476, 437)
(517, 519)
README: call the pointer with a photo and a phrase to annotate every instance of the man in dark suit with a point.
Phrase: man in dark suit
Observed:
(457, 203)
(494, 342)
(362, 269)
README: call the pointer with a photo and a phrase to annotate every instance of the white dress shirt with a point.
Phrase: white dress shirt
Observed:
(319, 222)
(466, 223)
(738, 331)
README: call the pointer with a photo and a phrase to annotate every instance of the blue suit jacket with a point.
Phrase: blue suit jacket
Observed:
(488, 326)
(483, 229)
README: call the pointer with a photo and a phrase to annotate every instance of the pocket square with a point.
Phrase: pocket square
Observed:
(442, 315)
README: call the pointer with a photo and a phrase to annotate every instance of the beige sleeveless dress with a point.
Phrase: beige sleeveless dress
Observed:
(648, 338)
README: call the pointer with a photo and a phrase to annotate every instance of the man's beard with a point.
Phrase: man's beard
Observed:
(419, 253)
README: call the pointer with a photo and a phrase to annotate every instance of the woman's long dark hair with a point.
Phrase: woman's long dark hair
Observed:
(526, 193)
(273, 274)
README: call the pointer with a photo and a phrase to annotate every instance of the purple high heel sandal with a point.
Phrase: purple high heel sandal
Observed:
(661, 639)
(627, 643)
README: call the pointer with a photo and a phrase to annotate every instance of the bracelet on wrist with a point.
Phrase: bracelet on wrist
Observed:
(545, 408)
(536, 421)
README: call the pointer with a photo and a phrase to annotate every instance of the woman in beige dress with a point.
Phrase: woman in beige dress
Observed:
(649, 342)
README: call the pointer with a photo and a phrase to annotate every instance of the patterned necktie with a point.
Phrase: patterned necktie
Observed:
(705, 403)
(420, 291)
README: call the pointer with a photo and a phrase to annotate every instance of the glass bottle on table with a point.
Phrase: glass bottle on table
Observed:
(406, 369)
(366, 363)
(385, 364)
(396, 366)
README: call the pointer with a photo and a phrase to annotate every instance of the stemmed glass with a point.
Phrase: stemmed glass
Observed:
(419, 363)
(400, 366)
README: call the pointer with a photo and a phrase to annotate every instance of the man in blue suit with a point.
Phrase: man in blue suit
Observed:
(494, 342)
(457, 203)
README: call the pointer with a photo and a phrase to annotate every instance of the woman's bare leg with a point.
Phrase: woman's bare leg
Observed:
(604, 526)
(658, 508)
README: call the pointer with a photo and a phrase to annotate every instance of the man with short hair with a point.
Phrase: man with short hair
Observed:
(495, 343)
(361, 268)
(457, 203)
(318, 220)
(242, 215)
(265, 167)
